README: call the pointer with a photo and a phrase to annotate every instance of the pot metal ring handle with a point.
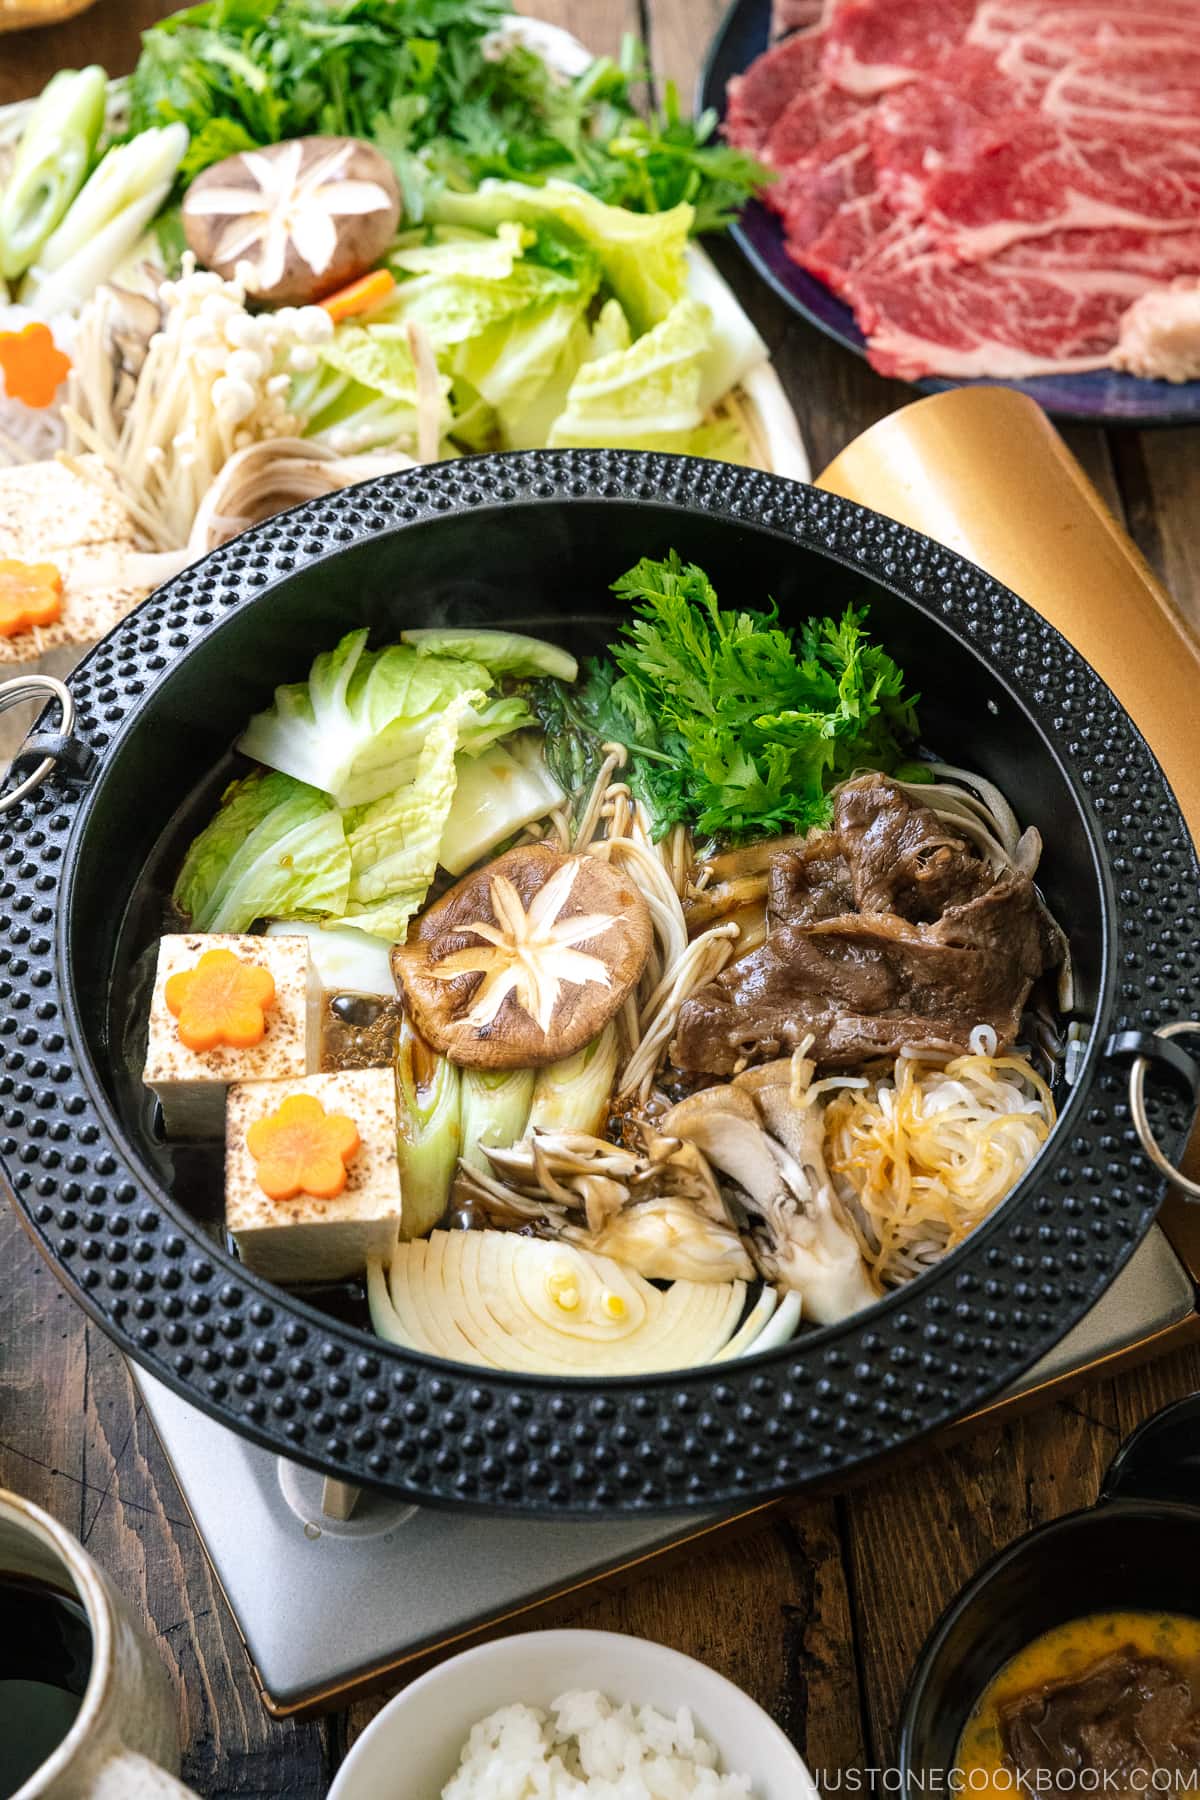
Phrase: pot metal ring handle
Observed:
(1176, 1063)
(58, 749)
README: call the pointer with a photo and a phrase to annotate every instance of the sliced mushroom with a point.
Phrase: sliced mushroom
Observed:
(131, 322)
(659, 1212)
(806, 1246)
(526, 960)
(299, 218)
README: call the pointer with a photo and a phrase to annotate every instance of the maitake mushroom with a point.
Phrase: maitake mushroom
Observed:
(525, 961)
(659, 1210)
(299, 218)
(754, 1131)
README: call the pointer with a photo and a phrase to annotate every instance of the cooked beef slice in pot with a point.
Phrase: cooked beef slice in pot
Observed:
(1125, 1716)
(888, 930)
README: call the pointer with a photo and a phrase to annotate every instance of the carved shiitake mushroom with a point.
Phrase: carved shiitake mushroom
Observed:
(525, 961)
(306, 216)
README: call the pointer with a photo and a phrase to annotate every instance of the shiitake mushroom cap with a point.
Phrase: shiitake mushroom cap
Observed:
(349, 181)
(514, 1039)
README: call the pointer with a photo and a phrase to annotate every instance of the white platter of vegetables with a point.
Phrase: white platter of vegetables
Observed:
(373, 233)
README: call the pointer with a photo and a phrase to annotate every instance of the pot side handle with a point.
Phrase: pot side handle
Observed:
(128, 1776)
(1161, 1459)
(1158, 1050)
(44, 752)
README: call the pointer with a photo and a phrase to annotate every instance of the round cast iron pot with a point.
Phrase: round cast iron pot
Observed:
(533, 541)
(1136, 1550)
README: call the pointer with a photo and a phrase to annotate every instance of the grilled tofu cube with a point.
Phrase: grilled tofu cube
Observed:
(50, 513)
(191, 1084)
(308, 1239)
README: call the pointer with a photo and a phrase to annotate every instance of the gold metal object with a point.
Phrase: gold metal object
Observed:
(982, 470)
(339, 1498)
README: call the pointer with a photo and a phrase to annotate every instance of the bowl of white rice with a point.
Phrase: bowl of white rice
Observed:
(573, 1715)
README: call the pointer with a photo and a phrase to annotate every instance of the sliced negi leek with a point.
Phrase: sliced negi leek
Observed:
(574, 1094)
(495, 1111)
(105, 220)
(500, 791)
(503, 1301)
(50, 164)
(428, 1131)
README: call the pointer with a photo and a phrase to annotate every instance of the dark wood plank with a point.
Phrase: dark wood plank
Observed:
(108, 33)
(769, 1609)
(918, 1534)
(41, 1339)
(74, 1440)
(1159, 472)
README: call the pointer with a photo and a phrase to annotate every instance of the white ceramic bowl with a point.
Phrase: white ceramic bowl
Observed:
(411, 1750)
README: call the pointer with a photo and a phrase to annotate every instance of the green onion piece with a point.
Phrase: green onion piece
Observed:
(495, 1111)
(574, 1094)
(50, 164)
(428, 1131)
(114, 207)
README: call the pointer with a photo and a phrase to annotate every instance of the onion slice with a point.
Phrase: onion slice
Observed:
(503, 1301)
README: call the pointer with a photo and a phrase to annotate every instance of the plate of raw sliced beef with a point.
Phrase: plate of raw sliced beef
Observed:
(981, 189)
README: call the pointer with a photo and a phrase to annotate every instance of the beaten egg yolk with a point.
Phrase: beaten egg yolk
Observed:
(1069, 1649)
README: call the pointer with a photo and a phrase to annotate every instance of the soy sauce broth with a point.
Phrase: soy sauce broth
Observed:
(45, 1662)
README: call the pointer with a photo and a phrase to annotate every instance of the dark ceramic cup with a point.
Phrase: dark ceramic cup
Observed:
(1137, 1549)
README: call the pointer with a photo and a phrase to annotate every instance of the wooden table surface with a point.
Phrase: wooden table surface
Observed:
(818, 1615)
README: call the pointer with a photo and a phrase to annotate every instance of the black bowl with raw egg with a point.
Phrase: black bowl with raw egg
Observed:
(1074, 1655)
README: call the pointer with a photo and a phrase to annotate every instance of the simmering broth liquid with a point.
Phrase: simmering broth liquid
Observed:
(45, 1661)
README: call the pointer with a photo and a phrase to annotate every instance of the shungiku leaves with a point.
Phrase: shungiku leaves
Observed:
(444, 91)
(734, 723)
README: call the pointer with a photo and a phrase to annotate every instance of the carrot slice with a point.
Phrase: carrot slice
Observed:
(302, 1149)
(223, 1000)
(30, 594)
(360, 296)
(33, 365)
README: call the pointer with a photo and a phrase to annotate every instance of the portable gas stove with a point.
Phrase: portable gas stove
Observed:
(362, 1588)
(334, 1591)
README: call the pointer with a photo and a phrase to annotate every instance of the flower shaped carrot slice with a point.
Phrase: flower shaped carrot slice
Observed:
(33, 364)
(223, 1000)
(30, 594)
(302, 1149)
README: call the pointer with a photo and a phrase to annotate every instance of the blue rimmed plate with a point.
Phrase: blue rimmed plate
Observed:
(1102, 397)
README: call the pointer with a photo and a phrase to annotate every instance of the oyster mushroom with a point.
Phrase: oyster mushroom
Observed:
(773, 1150)
(299, 219)
(659, 1211)
(525, 961)
(131, 322)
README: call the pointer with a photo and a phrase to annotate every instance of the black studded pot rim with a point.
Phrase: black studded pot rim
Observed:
(206, 649)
